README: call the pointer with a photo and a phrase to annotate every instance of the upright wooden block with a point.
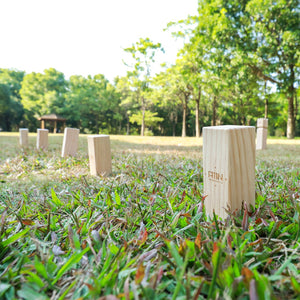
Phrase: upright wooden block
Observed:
(42, 139)
(70, 142)
(262, 133)
(99, 155)
(228, 168)
(23, 137)
(262, 123)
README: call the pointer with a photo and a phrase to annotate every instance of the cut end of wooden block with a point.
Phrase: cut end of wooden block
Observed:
(98, 136)
(227, 127)
(228, 168)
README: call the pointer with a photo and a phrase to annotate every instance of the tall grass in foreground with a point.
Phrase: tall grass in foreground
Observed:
(142, 233)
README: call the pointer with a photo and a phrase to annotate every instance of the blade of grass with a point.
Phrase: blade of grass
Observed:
(75, 258)
(15, 237)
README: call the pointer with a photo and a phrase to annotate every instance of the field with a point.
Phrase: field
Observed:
(142, 233)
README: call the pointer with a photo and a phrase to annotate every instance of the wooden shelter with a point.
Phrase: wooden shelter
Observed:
(52, 119)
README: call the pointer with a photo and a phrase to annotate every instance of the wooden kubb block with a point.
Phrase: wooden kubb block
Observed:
(229, 168)
(99, 155)
(70, 142)
(262, 134)
(261, 138)
(23, 137)
(42, 139)
(262, 123)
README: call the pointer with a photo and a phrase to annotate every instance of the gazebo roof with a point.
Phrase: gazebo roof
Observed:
(52, 117)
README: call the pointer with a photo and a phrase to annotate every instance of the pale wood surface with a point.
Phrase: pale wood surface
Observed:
(228, 168)
(42, 139)
(261, 138)
(23, 137)
(261, 134)
(262, 122)
(70, 142)
(99, 155)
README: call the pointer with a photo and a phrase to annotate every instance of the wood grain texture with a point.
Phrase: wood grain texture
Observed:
(23, 137)
(228, 168)
(99, 155)
(70, 142)
(42, 139)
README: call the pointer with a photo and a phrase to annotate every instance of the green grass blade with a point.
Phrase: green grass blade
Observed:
(74, 259)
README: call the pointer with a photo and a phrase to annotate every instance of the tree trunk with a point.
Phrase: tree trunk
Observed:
(266, 101)
(266, 107)
(197, 119)
(174, 120)
(197, 113)
(291, 122)
(184, 118)
(290, 131)
(143, 123)
(143, 117)
(128, 126)
(184, 122)
(214, 111)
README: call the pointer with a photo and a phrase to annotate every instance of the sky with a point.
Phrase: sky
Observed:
(85, 37)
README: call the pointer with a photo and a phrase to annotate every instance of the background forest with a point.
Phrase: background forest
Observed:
(240, 62)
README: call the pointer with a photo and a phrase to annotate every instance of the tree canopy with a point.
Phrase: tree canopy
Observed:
(240, 61)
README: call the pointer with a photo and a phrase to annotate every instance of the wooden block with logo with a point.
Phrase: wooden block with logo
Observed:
(228, 168)
(99, 155)
(23, 137)
(261, 134)
(42, 139)
(70, 142)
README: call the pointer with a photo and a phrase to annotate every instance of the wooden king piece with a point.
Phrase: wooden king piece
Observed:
(99, 155)
(42, 139)
(228, 168)
(70, 142)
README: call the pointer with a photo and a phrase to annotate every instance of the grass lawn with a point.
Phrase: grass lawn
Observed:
(142, 233)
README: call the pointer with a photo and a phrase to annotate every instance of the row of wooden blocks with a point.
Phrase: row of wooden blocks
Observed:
(98, 147)
(228, 162)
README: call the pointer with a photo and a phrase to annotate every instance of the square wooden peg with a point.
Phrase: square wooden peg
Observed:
(42, 139)
(228, 168)
(70, 142)
(261, 134)
(23, 137)
(99, 155)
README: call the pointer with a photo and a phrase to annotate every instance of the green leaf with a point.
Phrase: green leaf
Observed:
(108, 200)
(40, 268)
(32, 277)
(74, 259)
(58, 203)
(3, 288)
(29, 292)
(117, 198)
(113, 248)
(295, 285)
(174, 252)
(15, 237)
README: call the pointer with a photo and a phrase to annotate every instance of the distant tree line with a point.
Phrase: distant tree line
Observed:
(240, 62)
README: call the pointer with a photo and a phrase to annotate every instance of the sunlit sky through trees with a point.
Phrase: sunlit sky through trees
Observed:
(85, 37)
